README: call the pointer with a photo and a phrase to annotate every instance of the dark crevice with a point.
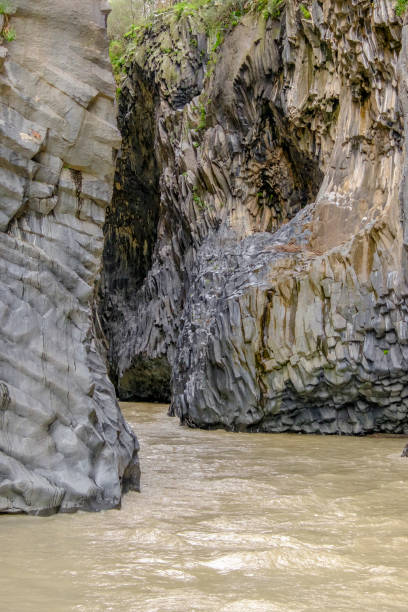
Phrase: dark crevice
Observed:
(131, 221)
(148, 380)
(130, 236)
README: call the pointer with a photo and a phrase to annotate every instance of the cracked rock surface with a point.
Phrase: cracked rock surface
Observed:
(64, 444)
(270, 270)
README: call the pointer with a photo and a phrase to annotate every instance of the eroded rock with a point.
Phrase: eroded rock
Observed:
(64, 444)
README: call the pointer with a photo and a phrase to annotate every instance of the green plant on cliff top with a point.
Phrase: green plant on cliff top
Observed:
(214, 14)
(305, 11)
(401, 7)
(270, 8)
(6, 8)
(215, 18)
(9, 34)
(127, 12)
(116, 54)
(184, 9)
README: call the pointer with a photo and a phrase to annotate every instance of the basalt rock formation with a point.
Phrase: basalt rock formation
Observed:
(258, 227)
(64, 444)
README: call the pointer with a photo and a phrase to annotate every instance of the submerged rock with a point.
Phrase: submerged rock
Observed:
(64, 444)
(263, 251)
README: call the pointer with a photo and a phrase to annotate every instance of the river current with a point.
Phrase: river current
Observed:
(225, 523)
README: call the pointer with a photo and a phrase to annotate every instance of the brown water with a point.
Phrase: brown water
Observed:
(226, 523)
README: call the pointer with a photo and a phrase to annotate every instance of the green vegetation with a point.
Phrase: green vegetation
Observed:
(9, 34)
(305, 11)
(131, 19)
(221, 14)
(197, 200)
(214, 12)
(401, 7)
(124, 14)
(7, 9)
(269, 8)
(117, 50)
(203, 117)
(217, 15)
(186, 8)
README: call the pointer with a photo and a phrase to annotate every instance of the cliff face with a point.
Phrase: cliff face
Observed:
(63, 442)
(271, 275)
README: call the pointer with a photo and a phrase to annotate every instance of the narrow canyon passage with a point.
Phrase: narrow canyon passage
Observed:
(229, 522)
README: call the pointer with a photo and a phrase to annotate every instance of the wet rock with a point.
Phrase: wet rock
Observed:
(64, 444)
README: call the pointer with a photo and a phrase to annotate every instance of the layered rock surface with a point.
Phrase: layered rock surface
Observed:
(262, 254)
(64, 444)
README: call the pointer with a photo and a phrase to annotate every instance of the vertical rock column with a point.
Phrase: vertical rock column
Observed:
(64, 444)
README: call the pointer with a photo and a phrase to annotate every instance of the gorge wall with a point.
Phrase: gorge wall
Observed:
(256, 244)
(64, 444)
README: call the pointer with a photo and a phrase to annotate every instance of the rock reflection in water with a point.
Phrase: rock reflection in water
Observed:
(227, 523)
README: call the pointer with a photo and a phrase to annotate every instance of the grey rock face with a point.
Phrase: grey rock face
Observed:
(64, 444)
(277, 282)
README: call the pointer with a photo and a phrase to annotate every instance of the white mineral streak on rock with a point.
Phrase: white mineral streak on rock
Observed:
(279, 234)
(64, 444)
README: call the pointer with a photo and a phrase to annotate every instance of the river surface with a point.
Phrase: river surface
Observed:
(225, 523)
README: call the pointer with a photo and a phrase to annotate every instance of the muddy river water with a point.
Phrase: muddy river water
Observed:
(225, 523)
